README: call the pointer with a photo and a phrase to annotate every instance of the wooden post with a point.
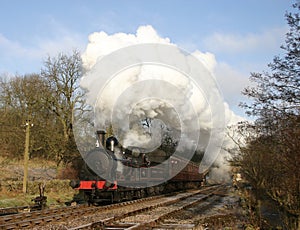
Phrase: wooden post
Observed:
(26, 156)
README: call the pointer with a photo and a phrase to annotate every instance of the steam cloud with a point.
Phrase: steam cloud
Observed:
(160, 111)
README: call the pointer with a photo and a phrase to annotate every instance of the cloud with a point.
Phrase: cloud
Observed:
(64, 44)
(10, 48)
(13, 56)
(231, 82)
(237, 43)
(207, 58)
(24, 58)
(240, 47)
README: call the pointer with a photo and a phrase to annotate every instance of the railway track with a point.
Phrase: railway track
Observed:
(46, 216)
(13, 210)
(151, 217)
(30, 219)
(138, 214)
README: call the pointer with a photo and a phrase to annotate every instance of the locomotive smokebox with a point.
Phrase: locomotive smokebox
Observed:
(101, 137)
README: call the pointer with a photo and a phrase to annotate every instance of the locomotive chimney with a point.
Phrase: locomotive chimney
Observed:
(101, 137)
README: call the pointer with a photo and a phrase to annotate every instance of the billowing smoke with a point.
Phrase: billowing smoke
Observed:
(153, 98)
(101, 44)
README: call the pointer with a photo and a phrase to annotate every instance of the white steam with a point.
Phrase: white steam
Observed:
(172, 86)
(101, 44)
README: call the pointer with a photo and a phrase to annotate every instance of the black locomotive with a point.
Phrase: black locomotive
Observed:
(113, 174)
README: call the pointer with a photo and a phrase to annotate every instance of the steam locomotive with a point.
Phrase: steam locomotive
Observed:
(113, 174)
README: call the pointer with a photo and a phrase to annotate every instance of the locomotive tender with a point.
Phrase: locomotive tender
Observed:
(112, 174)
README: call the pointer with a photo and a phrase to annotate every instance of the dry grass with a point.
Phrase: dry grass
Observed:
(57, 192)
(12, 169)
(39, 171)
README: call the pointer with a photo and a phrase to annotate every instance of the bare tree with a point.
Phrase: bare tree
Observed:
(270, 159)
(62, 75)
(20, 102)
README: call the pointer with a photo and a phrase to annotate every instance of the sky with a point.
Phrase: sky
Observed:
(242, 36)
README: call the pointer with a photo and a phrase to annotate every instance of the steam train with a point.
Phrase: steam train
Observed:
(113, 174)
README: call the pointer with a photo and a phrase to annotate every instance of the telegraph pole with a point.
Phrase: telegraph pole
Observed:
(26, 156)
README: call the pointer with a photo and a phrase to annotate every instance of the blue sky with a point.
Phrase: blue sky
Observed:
(244, 35)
